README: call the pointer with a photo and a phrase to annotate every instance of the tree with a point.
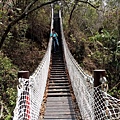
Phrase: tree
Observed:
(99, 20)
(28, 9)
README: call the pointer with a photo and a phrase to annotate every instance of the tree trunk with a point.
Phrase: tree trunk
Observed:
(9, 28)
(119, 29)
(26, 12)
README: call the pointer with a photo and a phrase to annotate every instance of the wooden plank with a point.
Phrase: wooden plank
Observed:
(59, 87)
(58, 119)
(62, 78)
(59, 84)
(55, 84)
(60, 98)
(58, 90)
(60, 106)
(59, 81)
(61, 116)
(69, 104)
(57, 113)
(54, 77)
(59, 101)
(59, 94)
(62, 66)
(58, 68)
(59, 71)
(58, 75)
(59, 110)
(58, 65)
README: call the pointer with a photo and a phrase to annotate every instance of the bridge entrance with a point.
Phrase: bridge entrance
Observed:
(59, 102)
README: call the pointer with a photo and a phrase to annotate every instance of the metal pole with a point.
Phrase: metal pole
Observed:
(97, 75)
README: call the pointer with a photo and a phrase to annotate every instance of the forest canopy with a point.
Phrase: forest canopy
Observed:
(92, 31)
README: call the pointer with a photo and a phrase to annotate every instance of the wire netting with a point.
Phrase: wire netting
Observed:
(31, 91)
(94, 104)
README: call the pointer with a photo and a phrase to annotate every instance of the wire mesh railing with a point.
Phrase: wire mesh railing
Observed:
(106, 107)
(94, 104)
(31, 91)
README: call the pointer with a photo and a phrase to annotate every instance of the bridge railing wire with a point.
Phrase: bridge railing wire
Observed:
(94, 104)
(31, 91)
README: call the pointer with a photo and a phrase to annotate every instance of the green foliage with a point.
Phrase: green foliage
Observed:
(103, 37)
(115, 91)
(6, 67)
(96, 37)
(8, 117)
(56, 8)
(102, 47)
(11, 92)
(109, 52)
(1, 14)
(8, 75)
(72, 38)
(109, 40)
(65, 23)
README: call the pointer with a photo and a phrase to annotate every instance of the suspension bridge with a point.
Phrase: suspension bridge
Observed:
(59, 89)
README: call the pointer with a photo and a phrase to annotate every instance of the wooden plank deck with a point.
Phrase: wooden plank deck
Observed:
(59, 104)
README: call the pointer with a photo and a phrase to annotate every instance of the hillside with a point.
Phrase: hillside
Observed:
(92, 37)
(23, 49)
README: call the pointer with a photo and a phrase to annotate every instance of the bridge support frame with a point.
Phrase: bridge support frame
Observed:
(98, 73)
(23, 74)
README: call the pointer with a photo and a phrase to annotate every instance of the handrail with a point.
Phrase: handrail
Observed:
(40, 77)
(31, 91)
(94, 104)
(80, 81)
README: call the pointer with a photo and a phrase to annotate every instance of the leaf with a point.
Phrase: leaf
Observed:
(19, 9)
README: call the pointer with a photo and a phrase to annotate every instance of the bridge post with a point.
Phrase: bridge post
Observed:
(24, 104)
(98, 73)
(23, 74)
(99, 104)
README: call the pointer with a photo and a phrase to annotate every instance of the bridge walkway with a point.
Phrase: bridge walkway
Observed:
(60, 102)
